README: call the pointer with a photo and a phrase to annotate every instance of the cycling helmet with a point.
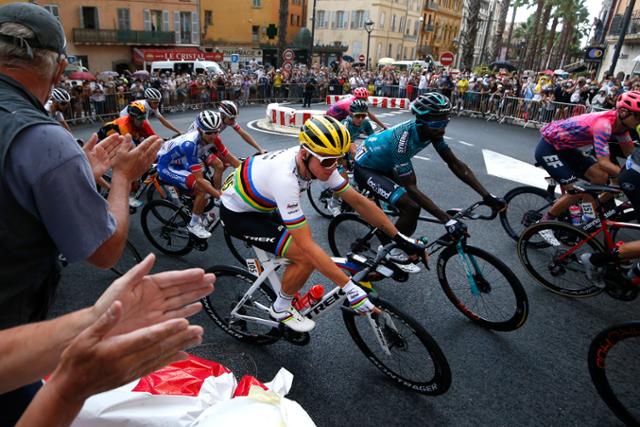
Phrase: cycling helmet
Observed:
(152, 94)
(228, 109)
(60, 95)
(137, 110)
(430, 104)
(209, 121)
(325, 136)
(359, 106)
(361, 93)
(630, 100)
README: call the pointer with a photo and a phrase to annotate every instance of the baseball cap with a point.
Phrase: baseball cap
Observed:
(47, 30)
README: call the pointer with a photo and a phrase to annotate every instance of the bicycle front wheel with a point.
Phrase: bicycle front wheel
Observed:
(348, 232)
(319, 196)
(554, 260)
(612, 356)
(483, 288)
(415, 360)
(231, 285)
(165, 225)
(525, 206)
(130, 257)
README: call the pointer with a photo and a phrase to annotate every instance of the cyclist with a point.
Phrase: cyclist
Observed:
(179, 165)
(261, 205)
(383, 166)
(340, 110)
(134, 123)
(559, 148)
(229, 111)
(151, 106)
(58, 105)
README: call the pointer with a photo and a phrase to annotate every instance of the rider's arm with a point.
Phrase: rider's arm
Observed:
(408, 181)
(166, 122)
(248, 138)
(461, 170)
(369, 211)
(601, 134)
(375, 119)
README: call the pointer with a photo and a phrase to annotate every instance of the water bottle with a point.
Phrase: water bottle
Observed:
(315, 294)
(576, 214)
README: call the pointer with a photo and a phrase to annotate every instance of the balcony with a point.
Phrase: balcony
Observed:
(431, 5)
(616, 25)
(428, 28)
(123, 37)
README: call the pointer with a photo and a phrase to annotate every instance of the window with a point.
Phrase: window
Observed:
(416, 28)
(321, 19)
(255, 33)
(89, 17)
(407, 29)
(381, 23)
(393, 23)
(156, 20)
(53, 9)
(340, 22)
(83, 60)
(389, 50)
(401, 26)
(185, 27)
(357, 19)
(257, 3)
(292, 19)
(208, 17)
(124, 21)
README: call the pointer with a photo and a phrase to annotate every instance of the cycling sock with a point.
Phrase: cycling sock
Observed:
(195, 219)
(282, 302)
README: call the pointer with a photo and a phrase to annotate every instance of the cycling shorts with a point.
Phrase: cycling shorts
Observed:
(629, 180)
(383, 186)
(565, 166)
(263, 230)
(180, 178)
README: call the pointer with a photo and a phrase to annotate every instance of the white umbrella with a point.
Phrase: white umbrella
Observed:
(559, 72)
(385, 61)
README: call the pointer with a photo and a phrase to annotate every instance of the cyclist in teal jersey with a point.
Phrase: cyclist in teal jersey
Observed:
(383, 164)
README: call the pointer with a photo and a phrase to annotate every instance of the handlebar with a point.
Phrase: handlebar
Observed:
(468, 212)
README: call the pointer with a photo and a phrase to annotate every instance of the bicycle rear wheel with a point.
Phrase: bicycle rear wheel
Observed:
(319, 195)
(491, 295)
(165, 225)
(557, 266)
(231, 285)
(240, 249)
(130, 257)
(416, 361)
(525, 206)
(613, 354)
(348, 232)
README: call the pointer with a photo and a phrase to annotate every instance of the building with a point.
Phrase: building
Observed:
(487, 22)
(243, 27)
(118, 34)
(630, 51)
(441, 25)
(394, 34)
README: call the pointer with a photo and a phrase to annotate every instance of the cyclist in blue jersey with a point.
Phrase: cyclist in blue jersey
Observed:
(179, 165)
(383, 164)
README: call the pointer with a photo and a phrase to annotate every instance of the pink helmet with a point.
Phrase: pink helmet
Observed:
(630, 100)
(361, 93)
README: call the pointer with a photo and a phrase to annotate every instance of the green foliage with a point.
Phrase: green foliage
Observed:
(481, 70)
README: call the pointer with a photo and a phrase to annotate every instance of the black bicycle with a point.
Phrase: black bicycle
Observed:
(479, 285)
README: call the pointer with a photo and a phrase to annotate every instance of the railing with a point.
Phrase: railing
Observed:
(616, 25)
(90, 36)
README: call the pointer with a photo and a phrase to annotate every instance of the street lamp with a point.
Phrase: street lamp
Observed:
(368, 27)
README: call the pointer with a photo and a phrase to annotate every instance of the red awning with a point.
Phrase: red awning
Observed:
(174, 54)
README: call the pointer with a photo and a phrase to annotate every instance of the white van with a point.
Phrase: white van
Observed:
(409, 65)
(198, 66)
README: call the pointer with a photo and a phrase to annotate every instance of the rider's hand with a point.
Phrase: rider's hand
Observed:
(358, 299)
(455, 228)
(496, 204)
(408, 245)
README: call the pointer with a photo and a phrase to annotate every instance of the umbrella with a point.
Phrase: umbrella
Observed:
(347, 58)
(547, 72)
(385, 61)
(106, 74)
(502, 64)
(141, 74)
(81, 75)
(559, 71)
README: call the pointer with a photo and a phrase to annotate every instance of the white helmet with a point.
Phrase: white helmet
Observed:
(228, 109)
(208, 121)
(60, 95)
(152, 94)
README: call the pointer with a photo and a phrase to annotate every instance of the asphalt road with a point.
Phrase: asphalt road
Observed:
(535, 376)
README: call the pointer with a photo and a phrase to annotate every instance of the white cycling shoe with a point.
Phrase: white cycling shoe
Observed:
(199, 231)
(292, 319)
(399, 258)
(593, 273)
(335, 206)
(134, 203)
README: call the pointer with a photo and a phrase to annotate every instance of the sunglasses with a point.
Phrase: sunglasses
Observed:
(359, 116)
(211, 132)
(435, 124)
(328, 162)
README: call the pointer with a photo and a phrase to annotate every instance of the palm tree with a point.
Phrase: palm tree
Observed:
(282, 31)
(497, 38)
(538, 62)
(574, 15)
(551, 38)
(533, 42)
(471, 34)
(516, 5)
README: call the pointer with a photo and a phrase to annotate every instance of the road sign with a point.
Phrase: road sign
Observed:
(287, 66)
(235, 58)
(71, 59)
(288, 55)
(594, 54)
(361, 58)
(446, 58)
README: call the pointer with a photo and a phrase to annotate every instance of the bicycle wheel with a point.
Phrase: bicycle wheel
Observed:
(240, 249)
(319, 195)
(350, 233)
(525, 206)
(231, 285)
(416, 361)
(557, 266)
(165, 225)
(613, 354)
(492, 296)
(130, 257)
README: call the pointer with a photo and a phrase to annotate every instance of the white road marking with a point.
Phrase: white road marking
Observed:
(421, 158)
(466, 143)
(447, 137)
(515, 170)
(252, 126)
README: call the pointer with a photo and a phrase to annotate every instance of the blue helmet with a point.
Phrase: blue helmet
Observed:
(431, 104)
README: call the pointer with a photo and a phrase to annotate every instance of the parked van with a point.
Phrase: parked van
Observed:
(198, 66)
(409, 65)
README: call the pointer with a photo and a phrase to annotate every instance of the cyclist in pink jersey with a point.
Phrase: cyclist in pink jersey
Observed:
(558, 151)
(340, 110)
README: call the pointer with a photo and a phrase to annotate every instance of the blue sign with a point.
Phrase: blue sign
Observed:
(235, 57)
(71, 59)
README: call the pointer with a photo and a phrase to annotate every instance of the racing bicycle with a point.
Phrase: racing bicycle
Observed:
(392, 340)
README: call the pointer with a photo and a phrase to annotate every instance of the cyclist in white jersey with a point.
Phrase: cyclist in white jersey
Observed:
(261, 205)
(229, 111)
(151, 103)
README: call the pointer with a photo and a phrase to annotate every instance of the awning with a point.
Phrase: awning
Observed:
(174, 54)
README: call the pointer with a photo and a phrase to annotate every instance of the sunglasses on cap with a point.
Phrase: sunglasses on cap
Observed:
(327, 162)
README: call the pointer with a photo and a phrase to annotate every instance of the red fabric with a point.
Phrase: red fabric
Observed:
(183, 378)
(245, 385)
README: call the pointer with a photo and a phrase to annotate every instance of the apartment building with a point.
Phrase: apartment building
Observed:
(628, 60)
(441, 20)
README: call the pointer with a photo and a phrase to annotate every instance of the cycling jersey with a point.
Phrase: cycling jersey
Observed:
(584, 130)
(271, 182)
(393, 149)
(123, 126)
(340, 110)
(233, 125)
(356, 131)
(176, 157)
(147, 108)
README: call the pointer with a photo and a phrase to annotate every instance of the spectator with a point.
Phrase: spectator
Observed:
(309, 88)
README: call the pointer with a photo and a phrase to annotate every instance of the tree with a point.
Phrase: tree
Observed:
(497, 38)
(538, 62)
(471, 34)
(282, 22)
(551, 38)
(533, 42)
(516, 5)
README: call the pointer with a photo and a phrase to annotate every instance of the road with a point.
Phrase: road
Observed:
(535, 376)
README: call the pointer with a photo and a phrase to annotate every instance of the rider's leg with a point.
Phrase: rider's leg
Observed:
(199, 202)
(297, 273)
(218, 169)
(409, 213)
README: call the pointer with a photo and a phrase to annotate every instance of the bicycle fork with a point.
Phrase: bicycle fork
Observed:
(378, 325)
(470, 268)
